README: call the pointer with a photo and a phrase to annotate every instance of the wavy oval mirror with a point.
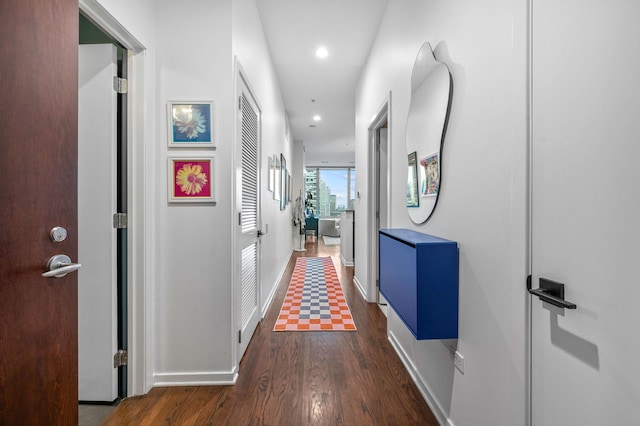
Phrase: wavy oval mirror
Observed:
(430, 89)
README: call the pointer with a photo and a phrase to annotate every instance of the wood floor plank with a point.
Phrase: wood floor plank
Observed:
(299, 378)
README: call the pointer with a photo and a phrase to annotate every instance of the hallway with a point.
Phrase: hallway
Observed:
(299, 378)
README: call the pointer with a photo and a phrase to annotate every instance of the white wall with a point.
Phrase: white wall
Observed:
(330, 159)
(138, 17)
(483, 200)
(250, 48)
(193, 292)
(186, 276)
(195, 327)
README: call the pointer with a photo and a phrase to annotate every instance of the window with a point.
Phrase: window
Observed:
(329, 190)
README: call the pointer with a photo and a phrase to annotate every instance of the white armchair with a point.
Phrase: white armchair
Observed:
(329, 227)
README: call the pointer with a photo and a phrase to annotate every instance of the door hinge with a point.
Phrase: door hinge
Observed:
(120, 358)
(119, 220)
(240, 103)
(240, 218)
(120, 85)
(239, 336)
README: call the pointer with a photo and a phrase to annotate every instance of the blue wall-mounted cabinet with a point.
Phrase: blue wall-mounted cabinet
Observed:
(419, 278)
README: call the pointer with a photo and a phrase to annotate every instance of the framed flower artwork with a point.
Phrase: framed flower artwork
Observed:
(283, 182)
(192, 180)
(191, 124)
(277, 177)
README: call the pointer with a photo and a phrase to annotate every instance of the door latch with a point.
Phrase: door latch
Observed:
(551, 292)
(60, 265)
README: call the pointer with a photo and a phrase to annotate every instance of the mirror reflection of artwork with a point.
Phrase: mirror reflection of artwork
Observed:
(412, 181)
(429, 176)
(426, 128)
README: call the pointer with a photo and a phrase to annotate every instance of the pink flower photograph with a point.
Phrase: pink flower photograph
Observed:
(191, 179)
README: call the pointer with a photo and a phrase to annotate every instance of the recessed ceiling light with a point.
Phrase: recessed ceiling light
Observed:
(317, 118)
(322, 52)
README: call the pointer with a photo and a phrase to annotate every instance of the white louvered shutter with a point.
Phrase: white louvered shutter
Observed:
(249, 215)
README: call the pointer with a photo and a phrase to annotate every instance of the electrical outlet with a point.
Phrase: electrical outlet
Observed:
(458, 360)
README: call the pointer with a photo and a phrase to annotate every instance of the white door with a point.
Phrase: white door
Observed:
(97, 191)
(586, 211)
(249, 214)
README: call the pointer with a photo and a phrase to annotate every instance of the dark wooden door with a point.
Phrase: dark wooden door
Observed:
(38, 191)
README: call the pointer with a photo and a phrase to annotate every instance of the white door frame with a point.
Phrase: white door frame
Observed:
(529, 210)
(140, 243)
(383, 115)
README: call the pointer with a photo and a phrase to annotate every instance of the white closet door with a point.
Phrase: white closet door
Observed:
(249, 215)
(585, 211)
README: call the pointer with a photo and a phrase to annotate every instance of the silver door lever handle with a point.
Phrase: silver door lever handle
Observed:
(59, 266)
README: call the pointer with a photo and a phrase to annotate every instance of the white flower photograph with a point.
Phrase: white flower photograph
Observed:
(190, 124)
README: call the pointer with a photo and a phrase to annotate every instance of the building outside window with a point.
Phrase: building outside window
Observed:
(329, 191)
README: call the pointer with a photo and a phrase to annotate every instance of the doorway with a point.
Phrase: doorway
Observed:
(41, 325)
(102, 210)
(379, 137)
(139, 243)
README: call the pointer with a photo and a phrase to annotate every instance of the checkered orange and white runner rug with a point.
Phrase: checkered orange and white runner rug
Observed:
(314, 300)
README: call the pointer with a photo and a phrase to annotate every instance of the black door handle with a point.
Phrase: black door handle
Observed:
(551, 292)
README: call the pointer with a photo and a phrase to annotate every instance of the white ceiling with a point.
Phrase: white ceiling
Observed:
(294, 29)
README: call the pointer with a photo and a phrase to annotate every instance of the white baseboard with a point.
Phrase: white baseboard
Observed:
(274, 289)
(344, 262)
(196, 378)
(360, 287)
(424, 389)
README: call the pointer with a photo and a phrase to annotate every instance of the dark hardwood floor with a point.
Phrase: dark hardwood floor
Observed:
(299, 378)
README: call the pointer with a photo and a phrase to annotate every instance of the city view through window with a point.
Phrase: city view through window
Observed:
(329, 191)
